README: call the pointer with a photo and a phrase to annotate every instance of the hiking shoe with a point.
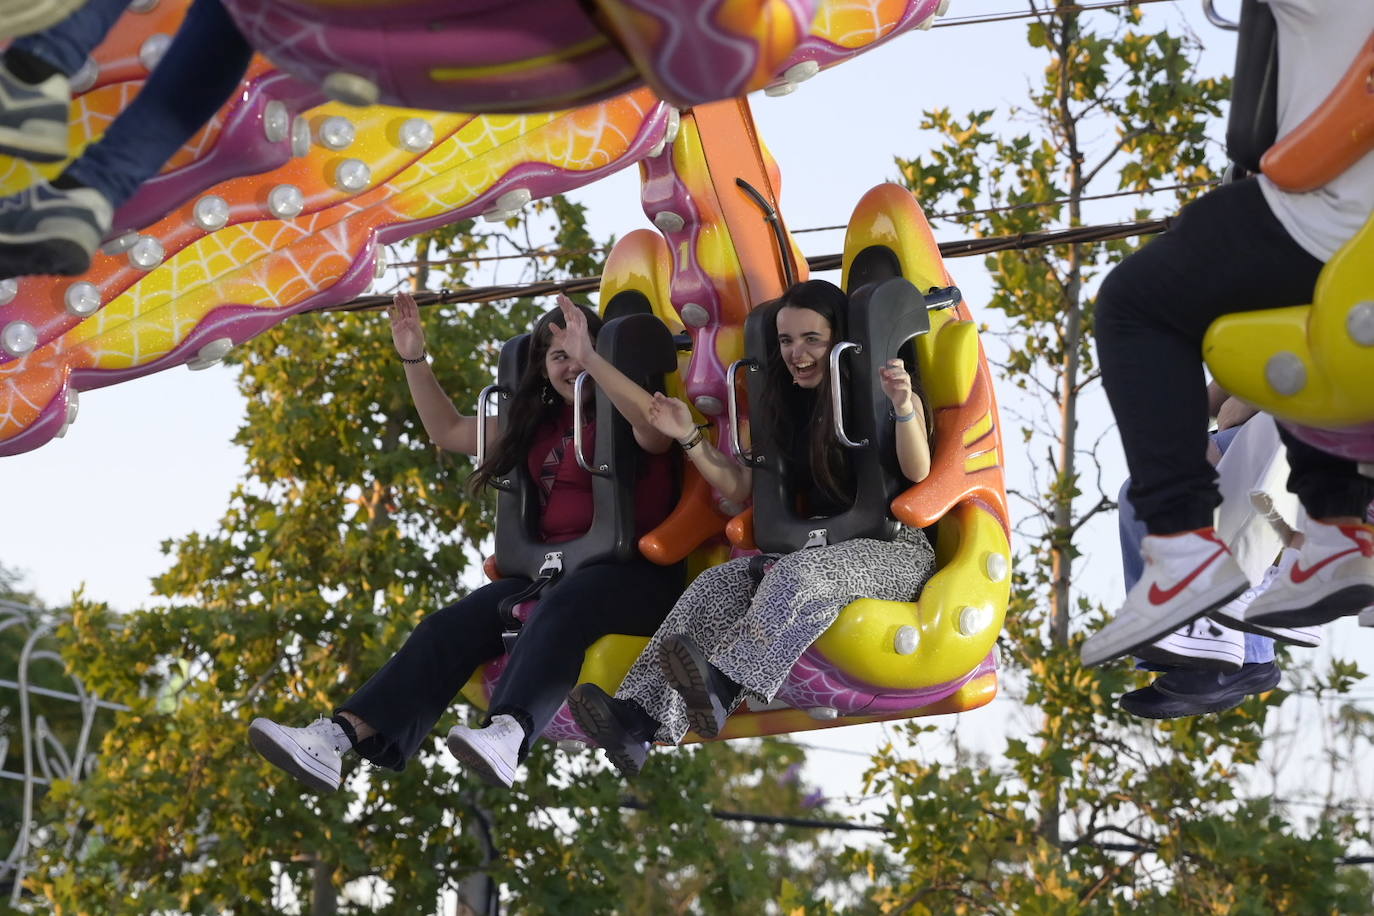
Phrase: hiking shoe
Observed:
(616, 726)
(1232, 614)
(1331, 576)
(1181, 693)
(708, 693)
(314, 754)
(47, 230)
(1201, 644)
(493, 752)
(33, 117)
(1186, 576)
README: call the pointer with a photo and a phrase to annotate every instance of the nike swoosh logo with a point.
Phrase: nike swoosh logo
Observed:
(1300, 575)
(1158, 597)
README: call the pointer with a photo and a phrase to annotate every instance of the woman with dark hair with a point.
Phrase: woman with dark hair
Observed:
(726, 638)
(390, 716)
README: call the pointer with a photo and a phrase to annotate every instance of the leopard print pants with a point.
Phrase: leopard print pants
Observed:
(756, 636)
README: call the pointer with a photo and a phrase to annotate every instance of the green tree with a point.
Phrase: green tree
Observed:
(1090, 810)
(347, 528)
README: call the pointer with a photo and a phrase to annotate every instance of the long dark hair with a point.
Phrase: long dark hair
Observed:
(783, 401)
(534, 403)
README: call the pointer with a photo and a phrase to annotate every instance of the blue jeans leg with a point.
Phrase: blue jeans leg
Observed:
(67, 44)
(203, 65)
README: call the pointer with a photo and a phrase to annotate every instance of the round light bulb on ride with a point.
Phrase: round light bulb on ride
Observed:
(996, 567)
(300, 136)
(285, 201)
(417, 135)
(143, 6)
(152, 50)
(352, 175)
(211, 212)
(146, 253)
(972, 620)
(85, 76)
(8, 290)
(276, 121)
(906, 640)
(1359, 324)
(18, 338)
(337, 133)
(81, 299)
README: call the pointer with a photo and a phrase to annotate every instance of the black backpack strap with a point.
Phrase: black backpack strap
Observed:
(510, 624)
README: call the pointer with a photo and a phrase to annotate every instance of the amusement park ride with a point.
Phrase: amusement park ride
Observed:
(345, 137)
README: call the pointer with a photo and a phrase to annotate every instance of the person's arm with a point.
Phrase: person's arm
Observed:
(913, 448)
(448, 428)
(632, 401)
(673, 418)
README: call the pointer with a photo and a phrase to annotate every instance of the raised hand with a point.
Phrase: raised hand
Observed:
(575, 340)
(670, 416)
(406, 332)
(896, 383)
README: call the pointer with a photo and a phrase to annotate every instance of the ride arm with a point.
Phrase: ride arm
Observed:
(913, 445)
(632, 401)
(673, 418)
(448, 428)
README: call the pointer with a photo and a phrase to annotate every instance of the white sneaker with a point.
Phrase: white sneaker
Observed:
(493, 752)
(1201, 644)
(1232, 614)
(313, 754)
(1186, 576)
(1332, 576)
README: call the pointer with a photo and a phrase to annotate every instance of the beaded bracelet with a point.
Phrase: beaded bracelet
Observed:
(419, 359)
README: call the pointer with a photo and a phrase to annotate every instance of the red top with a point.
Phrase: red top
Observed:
(568, 512)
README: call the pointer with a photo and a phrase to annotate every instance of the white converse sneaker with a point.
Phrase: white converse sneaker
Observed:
(1201, 644)
(1232, 614)
(313, 754)
(1332, 576)
(1186, 576)
(493, 752)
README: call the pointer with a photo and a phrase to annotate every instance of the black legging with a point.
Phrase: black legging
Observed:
(1227, 253)
(405, 699)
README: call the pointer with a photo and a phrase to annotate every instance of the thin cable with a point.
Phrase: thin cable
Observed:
(959, 249)
(1038, 12)
(949, 216)
(1039, 204)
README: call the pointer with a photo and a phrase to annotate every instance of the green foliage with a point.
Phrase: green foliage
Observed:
(1089, 810)
(347, 529)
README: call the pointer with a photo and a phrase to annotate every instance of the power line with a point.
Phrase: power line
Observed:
(951, 216)
(957, 249)
(1037, 205)
(1037, 12)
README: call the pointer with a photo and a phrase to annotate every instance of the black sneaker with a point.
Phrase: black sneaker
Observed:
(1189, 692)
(47, 230)
(619, 727)
(33, 117)
(706, 690)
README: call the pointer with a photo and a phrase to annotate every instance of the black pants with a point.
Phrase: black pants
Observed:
(405, 699)
(1227, 253)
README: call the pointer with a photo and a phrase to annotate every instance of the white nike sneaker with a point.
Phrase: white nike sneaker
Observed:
(493, 753)
(1186, 576)
(313, 754)
(1232, 614)
(1203, 644)
(1332, 576)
